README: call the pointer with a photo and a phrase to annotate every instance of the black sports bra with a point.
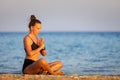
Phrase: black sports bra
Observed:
(34, 45)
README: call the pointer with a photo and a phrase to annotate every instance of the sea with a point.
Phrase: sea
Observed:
(83, 53)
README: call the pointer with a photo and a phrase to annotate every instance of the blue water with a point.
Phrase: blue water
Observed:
(81, 52)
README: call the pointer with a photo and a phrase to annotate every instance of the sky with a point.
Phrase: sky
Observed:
(61, 15)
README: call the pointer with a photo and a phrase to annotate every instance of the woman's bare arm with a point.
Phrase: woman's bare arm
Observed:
(27, 45)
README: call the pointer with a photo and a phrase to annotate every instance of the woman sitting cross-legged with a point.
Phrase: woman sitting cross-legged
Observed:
(34, 47)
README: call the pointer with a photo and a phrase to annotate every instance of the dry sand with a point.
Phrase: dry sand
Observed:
(57, 77)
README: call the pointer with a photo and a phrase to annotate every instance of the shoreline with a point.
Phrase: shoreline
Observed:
(58, 77)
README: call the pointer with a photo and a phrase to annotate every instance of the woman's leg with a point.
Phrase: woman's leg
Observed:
(59, 72)
(56, 66)
(36, 67)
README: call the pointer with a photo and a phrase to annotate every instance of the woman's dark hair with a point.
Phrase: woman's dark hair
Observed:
(33, 21)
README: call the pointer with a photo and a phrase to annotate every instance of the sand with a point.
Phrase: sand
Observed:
(57, 77)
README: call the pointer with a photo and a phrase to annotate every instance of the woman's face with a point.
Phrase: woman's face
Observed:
(36, 29)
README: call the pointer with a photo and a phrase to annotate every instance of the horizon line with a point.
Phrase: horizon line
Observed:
(53, 31)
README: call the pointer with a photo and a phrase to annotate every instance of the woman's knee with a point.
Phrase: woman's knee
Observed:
(60, 63)
(42, 61)
(57, 66)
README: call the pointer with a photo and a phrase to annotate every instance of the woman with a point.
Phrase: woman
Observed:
(34, 47)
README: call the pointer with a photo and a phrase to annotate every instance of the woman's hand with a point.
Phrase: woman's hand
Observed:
(43, 52)
(41, 42)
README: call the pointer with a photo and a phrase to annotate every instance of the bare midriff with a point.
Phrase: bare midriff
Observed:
(34, 57)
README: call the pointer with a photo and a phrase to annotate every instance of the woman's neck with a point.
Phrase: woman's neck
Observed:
(32, 34)
(34, 37)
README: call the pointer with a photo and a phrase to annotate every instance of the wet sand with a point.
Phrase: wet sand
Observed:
(57, 77)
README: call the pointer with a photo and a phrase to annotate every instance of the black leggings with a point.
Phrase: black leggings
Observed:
(27, 62)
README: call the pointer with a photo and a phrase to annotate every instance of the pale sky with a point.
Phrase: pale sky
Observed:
(61, 15)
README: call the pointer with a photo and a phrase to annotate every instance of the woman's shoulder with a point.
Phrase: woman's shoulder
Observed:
(27, 39)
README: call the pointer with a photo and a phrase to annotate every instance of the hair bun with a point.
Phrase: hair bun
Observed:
(32, 17)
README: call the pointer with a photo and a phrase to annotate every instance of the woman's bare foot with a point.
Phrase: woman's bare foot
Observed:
(59, 72)
(44, 72)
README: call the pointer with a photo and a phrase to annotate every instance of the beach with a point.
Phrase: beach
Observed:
(57, 77)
